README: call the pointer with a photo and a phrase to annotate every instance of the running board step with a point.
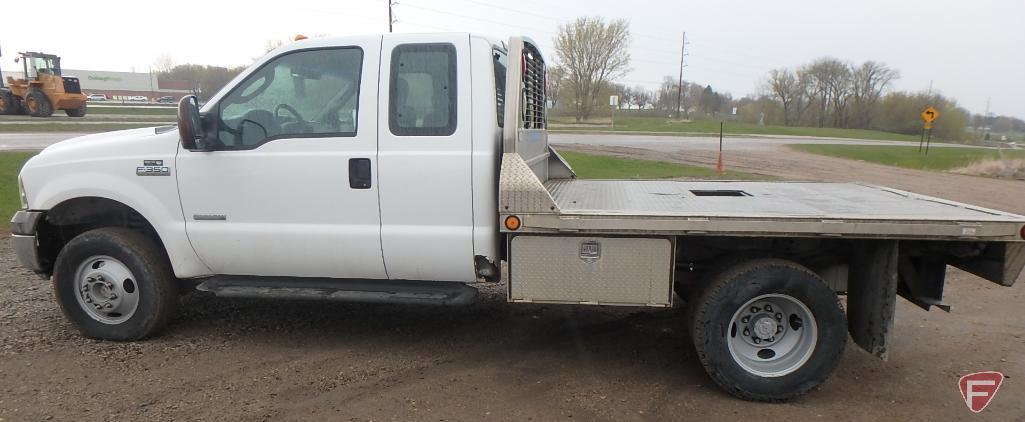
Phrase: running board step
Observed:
(347, 290)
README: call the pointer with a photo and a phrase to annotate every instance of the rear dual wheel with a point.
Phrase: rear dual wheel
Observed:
(768, 329)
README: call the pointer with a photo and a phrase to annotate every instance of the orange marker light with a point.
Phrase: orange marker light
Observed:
(512, 222)
(1022, 232)
(300, 37)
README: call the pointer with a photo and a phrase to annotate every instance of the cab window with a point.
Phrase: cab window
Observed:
(301, 94)
(422, 97)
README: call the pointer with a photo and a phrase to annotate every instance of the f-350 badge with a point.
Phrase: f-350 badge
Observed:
(152, 168)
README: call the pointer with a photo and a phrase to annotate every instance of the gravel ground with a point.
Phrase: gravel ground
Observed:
(265, 360)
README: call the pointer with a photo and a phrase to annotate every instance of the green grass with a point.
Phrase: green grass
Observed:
(939, 158)
(73, 127)
(138, 111)
(10, 165)
(589, 166)
(660, 124)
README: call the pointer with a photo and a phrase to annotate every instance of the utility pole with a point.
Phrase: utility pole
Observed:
(679, 85)
(391, 19)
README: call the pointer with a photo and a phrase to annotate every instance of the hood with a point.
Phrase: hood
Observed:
(113, 142)
(111, 156)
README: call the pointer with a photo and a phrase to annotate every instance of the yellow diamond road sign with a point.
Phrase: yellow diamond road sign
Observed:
(930, 114)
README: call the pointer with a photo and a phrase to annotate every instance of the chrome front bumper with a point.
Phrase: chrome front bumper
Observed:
(23, 232)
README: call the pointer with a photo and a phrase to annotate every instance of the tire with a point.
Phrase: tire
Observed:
(118, 261)
(8, 103)
(76, 112)
(799, 342)
(37, 104)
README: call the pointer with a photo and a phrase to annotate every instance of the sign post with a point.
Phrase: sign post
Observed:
(928, 116)
(614, 103)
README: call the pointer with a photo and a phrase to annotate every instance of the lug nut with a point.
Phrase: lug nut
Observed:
(747, 332)
(109, 305)
(88, 299)
(779, 316)
(768, 308)
(757, 340)
(772, 339)
(90, 279)
(779, 329)
(754, 309)
(745, 319)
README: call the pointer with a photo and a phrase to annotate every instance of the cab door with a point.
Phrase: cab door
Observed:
(291, 189)
(424, 157)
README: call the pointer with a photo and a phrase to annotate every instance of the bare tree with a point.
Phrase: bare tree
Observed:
(593, 53)
(556, 81)
(665, 97)
(784, 86)
(164, 63)
(869, 81)
(829, 81)
(642, 96)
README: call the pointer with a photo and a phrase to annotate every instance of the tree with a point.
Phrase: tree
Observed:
(784, 86)
(556, 80)
(710, 101)
(642, 96)
(206, 80)
(828, 80)
(164, 63)
(593, 53)
(868, 83)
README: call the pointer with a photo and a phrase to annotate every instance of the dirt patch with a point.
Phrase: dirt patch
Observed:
(266, 360)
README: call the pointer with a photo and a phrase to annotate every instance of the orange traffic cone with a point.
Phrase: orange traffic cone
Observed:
(719, 167)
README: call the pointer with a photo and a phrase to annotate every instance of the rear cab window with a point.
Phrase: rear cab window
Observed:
(422, 97)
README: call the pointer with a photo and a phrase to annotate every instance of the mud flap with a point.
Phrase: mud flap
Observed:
(872, 295)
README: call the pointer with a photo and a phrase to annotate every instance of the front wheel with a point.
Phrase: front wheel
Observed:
(768, 330)
(37, 104)
(115, 284)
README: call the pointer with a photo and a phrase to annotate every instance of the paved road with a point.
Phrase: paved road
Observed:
(31, 141)
(21, 141)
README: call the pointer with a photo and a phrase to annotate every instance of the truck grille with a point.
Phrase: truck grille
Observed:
(533, 88)
(71, 85)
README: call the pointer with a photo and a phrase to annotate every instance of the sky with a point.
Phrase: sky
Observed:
(969, 50)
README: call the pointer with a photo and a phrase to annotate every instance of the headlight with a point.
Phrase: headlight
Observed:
(21, 193)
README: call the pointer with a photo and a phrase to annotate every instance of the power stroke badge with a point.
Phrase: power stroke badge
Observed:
(152, 168)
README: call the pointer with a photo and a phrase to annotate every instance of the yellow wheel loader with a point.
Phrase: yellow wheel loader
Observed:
(42, 89)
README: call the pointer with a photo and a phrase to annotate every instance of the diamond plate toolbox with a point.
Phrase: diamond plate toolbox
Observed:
(591, 270)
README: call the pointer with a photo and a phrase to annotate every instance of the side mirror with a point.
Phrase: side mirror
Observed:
(190, 126)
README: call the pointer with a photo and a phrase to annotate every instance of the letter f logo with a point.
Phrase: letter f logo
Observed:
(978, 389)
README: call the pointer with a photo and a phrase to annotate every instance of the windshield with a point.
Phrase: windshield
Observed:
(46, 65)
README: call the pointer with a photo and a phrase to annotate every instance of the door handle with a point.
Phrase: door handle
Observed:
(359, 173)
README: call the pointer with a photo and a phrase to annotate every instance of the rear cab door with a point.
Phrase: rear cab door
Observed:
(424, 156)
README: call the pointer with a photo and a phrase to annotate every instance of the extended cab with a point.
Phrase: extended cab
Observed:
(403, 168)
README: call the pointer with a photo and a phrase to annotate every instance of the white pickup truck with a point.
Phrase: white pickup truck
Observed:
(405, 168)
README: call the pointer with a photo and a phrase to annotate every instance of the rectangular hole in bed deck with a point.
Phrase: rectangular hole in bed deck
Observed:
(723, 192)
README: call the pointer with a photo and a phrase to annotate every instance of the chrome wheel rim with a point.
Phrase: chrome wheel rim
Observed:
(106, 289)
(772, 335)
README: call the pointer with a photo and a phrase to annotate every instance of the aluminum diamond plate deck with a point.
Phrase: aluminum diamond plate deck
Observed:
(760, 200)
